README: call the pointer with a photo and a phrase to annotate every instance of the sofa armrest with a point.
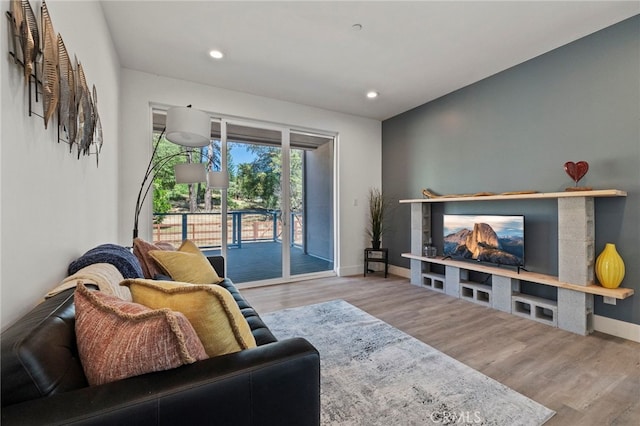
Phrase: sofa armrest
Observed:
(273, 384)
(218, 264)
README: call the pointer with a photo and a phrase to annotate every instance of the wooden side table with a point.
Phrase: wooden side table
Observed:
(376, 255)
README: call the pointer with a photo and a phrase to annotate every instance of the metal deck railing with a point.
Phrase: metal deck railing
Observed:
(205, 229)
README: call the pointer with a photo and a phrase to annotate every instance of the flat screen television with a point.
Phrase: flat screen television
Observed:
(494, 239)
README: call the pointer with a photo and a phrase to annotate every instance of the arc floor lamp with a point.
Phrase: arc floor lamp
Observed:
(187, 127)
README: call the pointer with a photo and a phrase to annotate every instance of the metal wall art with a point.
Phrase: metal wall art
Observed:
(61, 84)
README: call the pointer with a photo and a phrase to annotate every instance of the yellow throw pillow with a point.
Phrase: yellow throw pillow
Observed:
(187, 264)
(211, 309)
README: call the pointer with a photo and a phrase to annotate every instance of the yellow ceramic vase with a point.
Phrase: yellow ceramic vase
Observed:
(610, 267)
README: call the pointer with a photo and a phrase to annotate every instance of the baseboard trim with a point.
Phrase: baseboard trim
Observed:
(400, 271)
(350, 270)
(614, 327)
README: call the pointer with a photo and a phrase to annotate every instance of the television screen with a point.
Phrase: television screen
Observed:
(485, 238)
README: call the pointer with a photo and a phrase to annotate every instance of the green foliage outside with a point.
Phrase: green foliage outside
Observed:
(164, 182)
(253, 185)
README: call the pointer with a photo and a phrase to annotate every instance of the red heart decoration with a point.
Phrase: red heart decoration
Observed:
(576, 170)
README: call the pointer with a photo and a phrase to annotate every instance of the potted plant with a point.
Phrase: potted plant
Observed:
(377, 205)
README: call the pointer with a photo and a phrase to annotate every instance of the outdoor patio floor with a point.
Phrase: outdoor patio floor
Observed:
(263, 260)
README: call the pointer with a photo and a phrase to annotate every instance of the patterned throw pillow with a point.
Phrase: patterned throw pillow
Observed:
(141, 249)
(188, 264)
(119, 339)
(211, 310)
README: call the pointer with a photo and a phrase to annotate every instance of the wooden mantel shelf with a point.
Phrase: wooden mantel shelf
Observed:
(535, 195)
(618, 293)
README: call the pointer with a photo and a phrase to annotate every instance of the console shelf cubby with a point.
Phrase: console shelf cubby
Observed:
(433, 281)
(573, 309)
(535, 308)
(476, 292)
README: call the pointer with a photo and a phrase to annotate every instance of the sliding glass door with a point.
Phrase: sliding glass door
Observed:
(311, 203)
(274, 219)
(254, 203)
(280, 203)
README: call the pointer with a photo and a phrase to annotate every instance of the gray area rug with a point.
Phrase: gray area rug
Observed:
(374, 374)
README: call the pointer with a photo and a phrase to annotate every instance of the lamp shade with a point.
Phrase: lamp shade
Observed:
(188, 127)
(218, 180)
(190, 172)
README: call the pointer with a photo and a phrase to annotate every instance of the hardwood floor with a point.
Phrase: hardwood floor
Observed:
(592, 380)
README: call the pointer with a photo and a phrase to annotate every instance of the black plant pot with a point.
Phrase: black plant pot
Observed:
(375, 245)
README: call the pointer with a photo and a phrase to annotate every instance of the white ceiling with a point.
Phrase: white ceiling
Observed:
(308, 52)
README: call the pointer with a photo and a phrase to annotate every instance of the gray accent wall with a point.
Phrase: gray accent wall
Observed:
(514, 131)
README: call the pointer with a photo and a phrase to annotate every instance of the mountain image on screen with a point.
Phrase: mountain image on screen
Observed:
(479, 241)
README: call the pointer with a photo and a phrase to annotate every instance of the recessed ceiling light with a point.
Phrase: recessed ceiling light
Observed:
(356, 27)
(216, 54)
(372, 94)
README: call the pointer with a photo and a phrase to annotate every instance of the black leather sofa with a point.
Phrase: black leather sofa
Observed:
(276, 383)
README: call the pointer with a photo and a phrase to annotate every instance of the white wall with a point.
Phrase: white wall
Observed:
(54, 206)
(358, 150)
